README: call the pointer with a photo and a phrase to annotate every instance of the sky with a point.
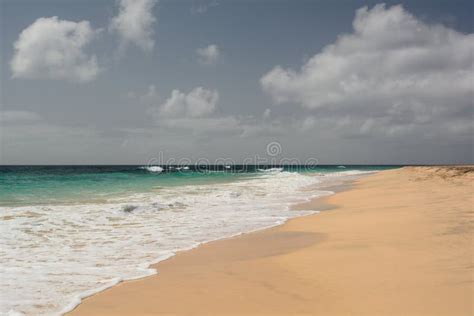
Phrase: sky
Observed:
(159, 81)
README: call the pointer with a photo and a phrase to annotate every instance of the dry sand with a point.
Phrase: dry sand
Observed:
(400, 242)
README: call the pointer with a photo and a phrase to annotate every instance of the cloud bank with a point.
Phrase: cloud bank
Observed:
(134, 23)
(394, 69)
(55, 49)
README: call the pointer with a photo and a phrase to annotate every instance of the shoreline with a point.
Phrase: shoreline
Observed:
(97, 246)
(316, 204)
(185, 273)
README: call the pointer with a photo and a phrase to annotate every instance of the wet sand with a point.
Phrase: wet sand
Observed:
(399, 242)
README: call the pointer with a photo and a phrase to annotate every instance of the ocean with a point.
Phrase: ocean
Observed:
(67, 232)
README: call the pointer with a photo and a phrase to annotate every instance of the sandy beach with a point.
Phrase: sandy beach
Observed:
(399, 242)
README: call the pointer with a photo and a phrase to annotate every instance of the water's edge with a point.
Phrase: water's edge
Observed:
(331, 189)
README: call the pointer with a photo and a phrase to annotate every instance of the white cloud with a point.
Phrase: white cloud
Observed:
(134, 23)
(208, 55)
(175, 105)
(393, 67)
(51, 48)
(198, 102)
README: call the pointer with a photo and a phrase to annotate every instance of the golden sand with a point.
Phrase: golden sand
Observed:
(400, 242)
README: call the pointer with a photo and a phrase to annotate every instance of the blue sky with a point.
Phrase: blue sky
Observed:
(222, 59)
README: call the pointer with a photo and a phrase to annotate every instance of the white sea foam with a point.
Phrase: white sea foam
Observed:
(153, 168)
(53, 256)
(274, 170)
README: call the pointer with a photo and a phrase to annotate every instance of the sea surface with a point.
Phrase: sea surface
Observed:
(67, 232)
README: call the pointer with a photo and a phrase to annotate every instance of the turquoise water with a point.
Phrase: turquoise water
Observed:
(32, 185)
(66, 184)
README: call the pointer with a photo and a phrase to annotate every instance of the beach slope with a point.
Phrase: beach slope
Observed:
(400, 242)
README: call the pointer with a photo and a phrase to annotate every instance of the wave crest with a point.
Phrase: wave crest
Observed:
(272, 170)
(153, 168)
